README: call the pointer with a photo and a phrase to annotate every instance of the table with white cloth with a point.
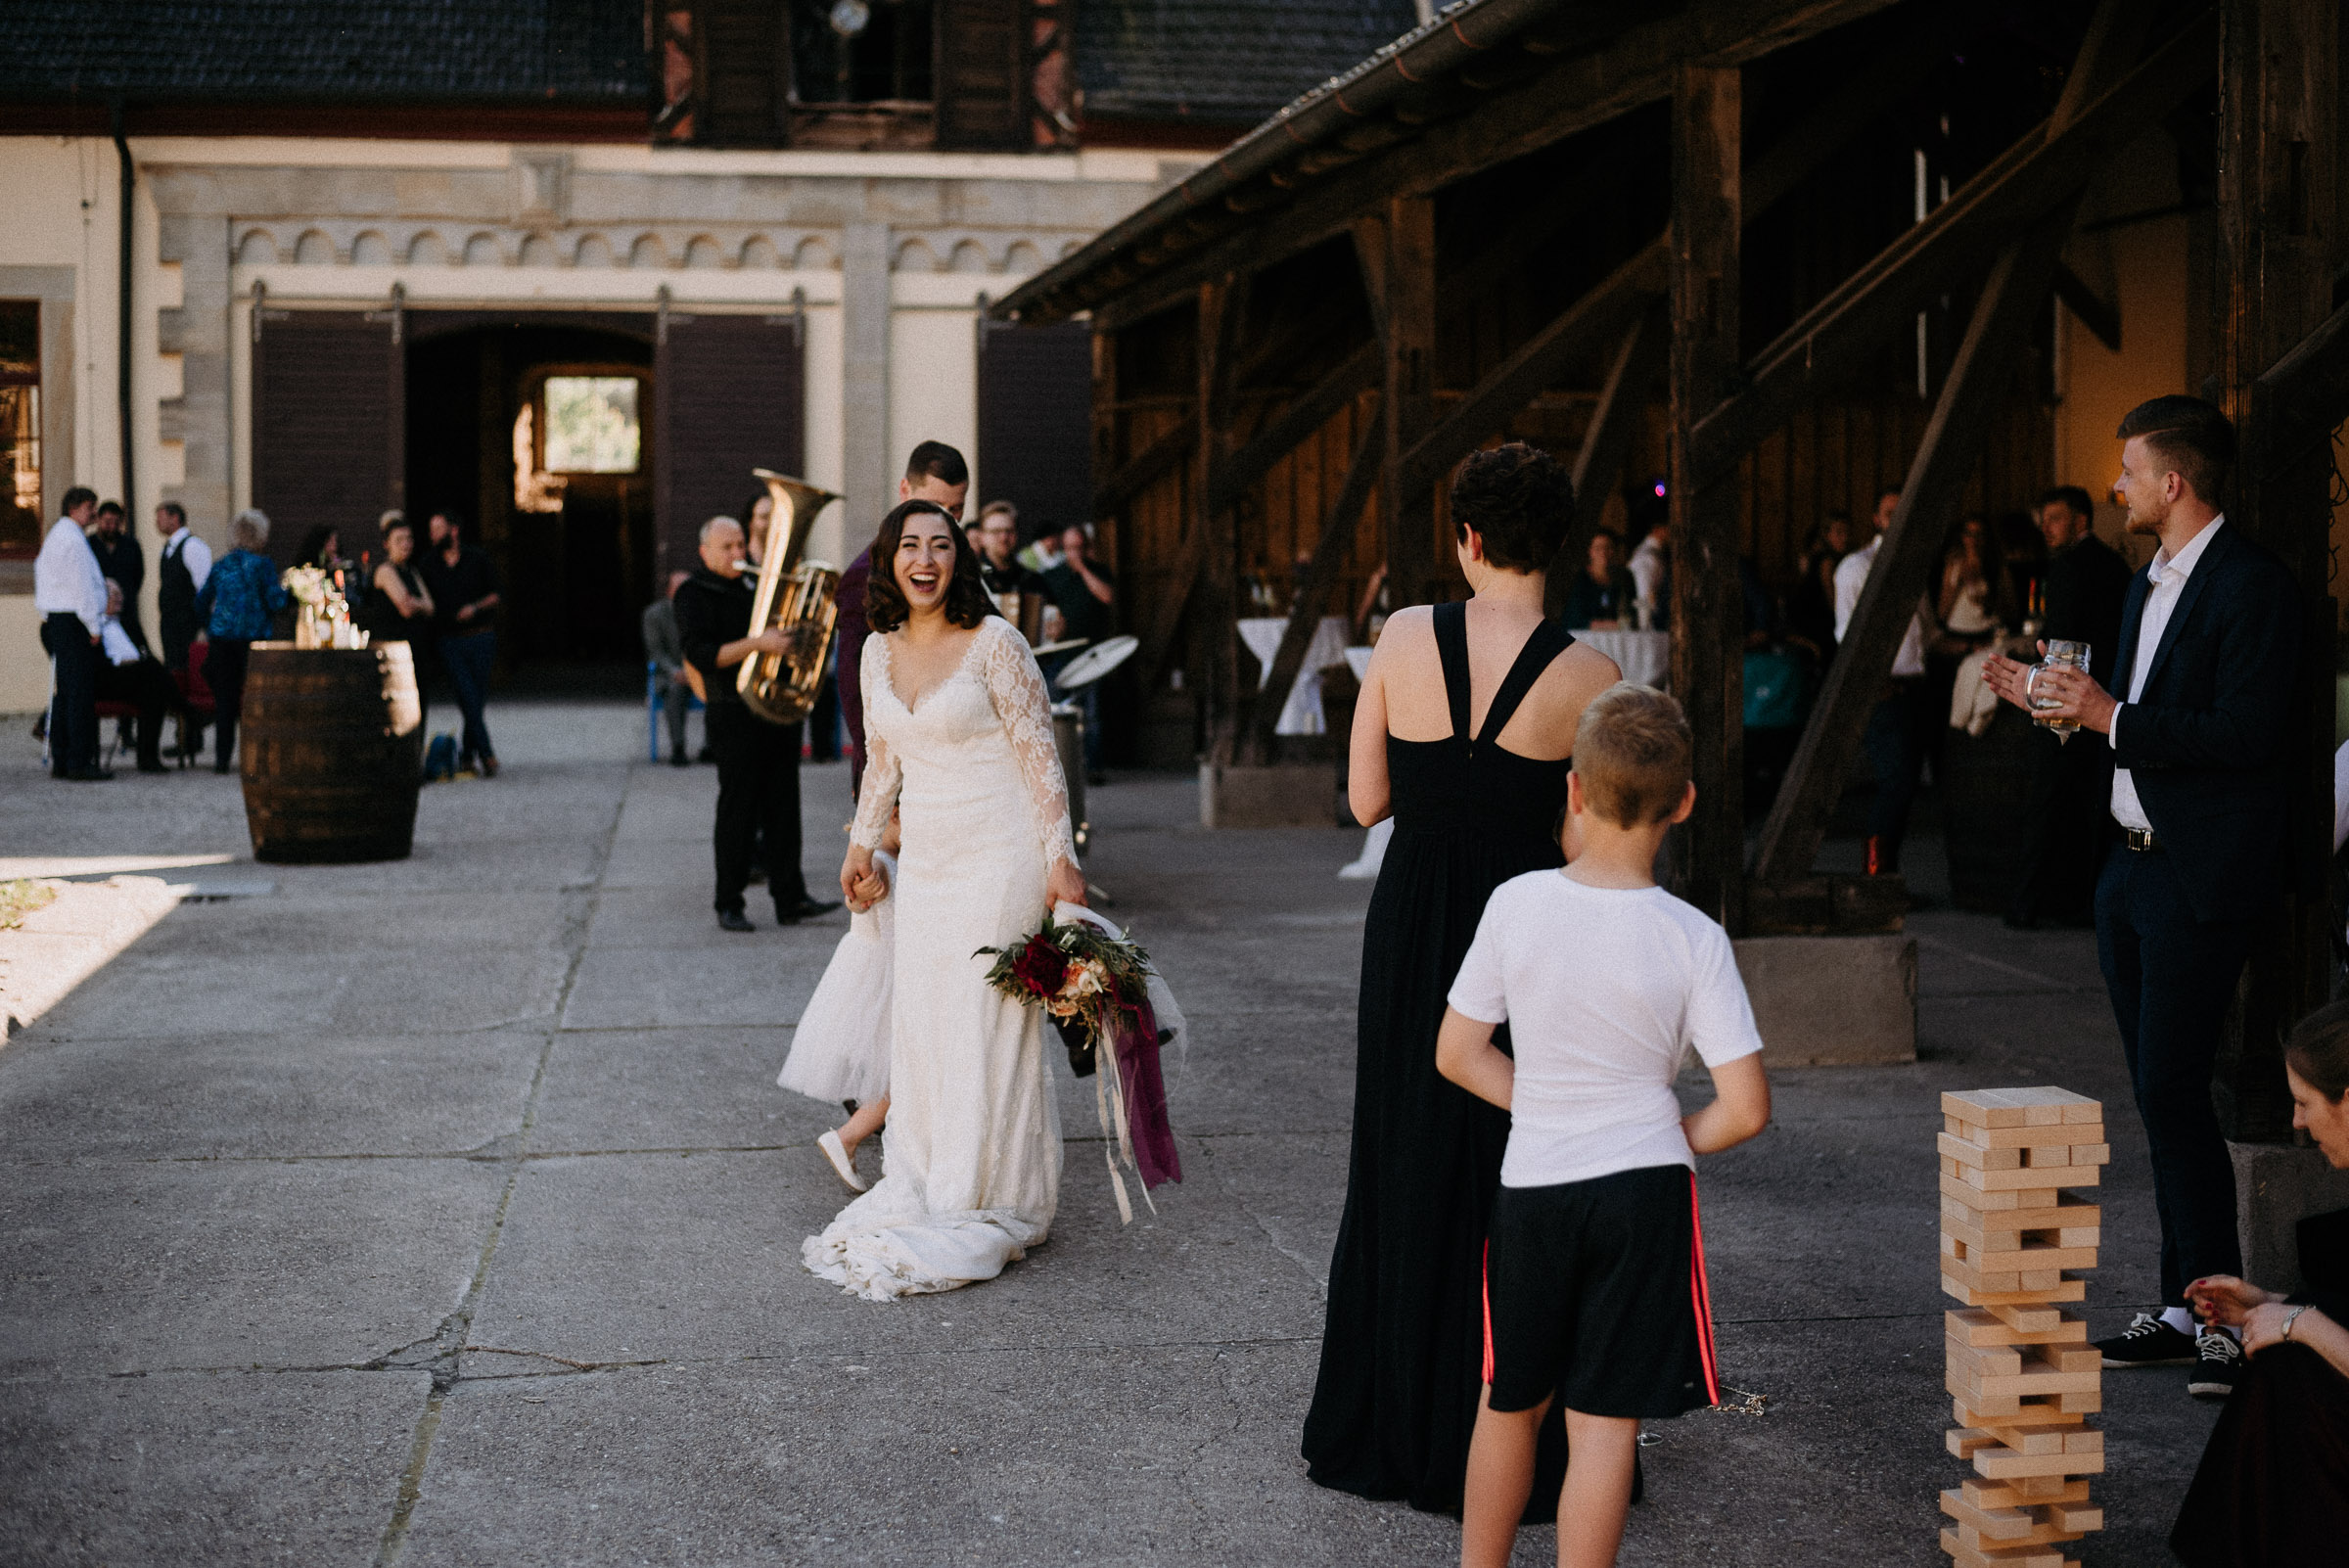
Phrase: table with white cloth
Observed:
(1643, 657)
(1301, 714)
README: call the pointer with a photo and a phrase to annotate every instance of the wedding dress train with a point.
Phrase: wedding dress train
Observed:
(971, 1168)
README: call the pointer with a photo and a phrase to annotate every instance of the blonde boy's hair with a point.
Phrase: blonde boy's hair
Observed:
(1631, 754)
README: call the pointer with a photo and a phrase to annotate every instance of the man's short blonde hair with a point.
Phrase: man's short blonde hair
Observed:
(1631, 754)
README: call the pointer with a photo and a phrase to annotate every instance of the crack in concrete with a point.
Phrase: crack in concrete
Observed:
(1319, 1278)
(450, 1342)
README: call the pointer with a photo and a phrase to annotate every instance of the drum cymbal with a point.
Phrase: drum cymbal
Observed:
(1096, 662)
(1062, 646)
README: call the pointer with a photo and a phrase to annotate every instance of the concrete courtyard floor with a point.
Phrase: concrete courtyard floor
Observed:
(467, 1225)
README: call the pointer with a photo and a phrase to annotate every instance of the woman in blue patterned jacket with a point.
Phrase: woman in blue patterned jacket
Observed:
(238, 602)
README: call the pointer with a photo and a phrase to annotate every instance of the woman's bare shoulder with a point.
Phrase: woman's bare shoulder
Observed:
(1413, 627)
(1579, 673)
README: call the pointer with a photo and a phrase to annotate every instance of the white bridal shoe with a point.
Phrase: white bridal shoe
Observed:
(838, 1153)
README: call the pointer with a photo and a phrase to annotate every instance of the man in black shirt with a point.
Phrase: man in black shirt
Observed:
(1017, 591)
(121, 560)
(1087, 594)
(2069, 788)
(757, 763)
(465, 600)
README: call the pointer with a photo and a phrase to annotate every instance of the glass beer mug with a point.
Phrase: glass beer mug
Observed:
(2060, 655)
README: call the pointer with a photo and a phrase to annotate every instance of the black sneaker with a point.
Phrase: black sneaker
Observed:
(2217, 1360)
(734, 920)
(2148, 1340)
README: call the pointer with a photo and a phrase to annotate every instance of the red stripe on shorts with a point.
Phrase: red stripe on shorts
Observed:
(1700, 1298)
(1484, 1288)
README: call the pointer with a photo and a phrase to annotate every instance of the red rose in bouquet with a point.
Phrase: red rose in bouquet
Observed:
(1040, 966)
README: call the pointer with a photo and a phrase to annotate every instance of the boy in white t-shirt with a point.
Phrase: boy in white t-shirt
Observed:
(1595, 1268)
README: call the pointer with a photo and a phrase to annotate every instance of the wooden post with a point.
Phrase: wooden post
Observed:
(1400, 280)
(2278, 151)
(1631, 374)
(1215, 604)
(1708, 674)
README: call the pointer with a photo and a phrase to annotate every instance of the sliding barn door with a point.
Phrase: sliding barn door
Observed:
(329, 424)
(1036, 422)
(729, 396)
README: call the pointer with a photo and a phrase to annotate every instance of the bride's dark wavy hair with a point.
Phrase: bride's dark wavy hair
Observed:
(885, 608)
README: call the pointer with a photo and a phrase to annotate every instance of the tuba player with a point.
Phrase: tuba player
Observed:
(757, 763)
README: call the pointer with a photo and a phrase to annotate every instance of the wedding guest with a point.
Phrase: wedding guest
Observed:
(934, 471)
(2022, 553)
(181, 567)
(1018, 592)
(69, 591)
(1464, 734)
(465, 604)
(1085, 593)
(321, 547)
(2068, 793)
(757, 518)
(2273, 1488)
(1896, 733)
(1811, 607)
(1966, 606)
(666, 649)
(240, 597)
(121, 560)
(128, 675)
(1593, 1277)
(2206, 670)
(1603, 591)
(757, 763)
(1650, 564)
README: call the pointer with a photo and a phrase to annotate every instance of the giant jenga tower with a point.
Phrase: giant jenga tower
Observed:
(2022, 1374)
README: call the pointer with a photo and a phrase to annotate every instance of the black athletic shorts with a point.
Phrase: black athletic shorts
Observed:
(1595, 1291)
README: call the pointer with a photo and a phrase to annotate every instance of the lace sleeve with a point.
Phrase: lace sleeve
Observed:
(1016, 687)
(883, 772)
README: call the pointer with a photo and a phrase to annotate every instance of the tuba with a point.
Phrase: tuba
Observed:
(796, 595)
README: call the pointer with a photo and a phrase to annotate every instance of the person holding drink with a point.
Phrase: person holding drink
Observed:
(2204, 676)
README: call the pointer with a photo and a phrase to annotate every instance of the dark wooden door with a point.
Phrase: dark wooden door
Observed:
(728, 396)
(981, 75)
(1035, 443)
(329, 424)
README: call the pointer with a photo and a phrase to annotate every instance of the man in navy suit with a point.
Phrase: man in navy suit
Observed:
(2201, 743)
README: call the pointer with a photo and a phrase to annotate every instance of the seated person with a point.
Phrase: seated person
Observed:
(2274, 1484)
(1601, 595)
(126, 676)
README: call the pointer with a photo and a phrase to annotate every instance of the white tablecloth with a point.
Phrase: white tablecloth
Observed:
(1644, 656)
(1358, 660)
(1301, 714)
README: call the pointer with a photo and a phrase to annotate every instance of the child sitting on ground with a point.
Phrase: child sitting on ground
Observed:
(1594, 1272)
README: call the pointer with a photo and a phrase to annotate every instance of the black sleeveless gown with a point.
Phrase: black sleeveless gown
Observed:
(1403, 1349)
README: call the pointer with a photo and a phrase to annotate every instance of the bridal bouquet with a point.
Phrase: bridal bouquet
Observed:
(1102, 994)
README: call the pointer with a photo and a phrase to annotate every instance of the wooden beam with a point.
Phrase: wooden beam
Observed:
(2097, 313)
(1638, 361)
(1577, 93)
(1608, 310)
(1839, 335)
(1933, 491)
(1312, 589)
(1163, 456)
(1707, 852)
(1398, 272)
(2279, 163)
(1214, 626)
(1313, 409)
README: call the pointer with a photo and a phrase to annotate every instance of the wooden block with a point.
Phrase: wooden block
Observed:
(2026, 1413)
(2067, 1135)
(1987, 1159)
(1980, 1326)
(2069, 1290)
(2089, 1403)
(1976, 1180)
(2004, 1211)
(1965, 1556)
(2036, 1319)
(2046, 1106)
(2005, 1526)
(2084, 1359)
(1964, 1443)
(2035, 1379)
(2077, 1516)
(1999, 1461)
(1978, 1361)
(1999, 1547)
(2047, 1156)
(2079, 1236)
(1965, 1281)
(2092, 1153)
(2029, 1258)
(2027, 1492)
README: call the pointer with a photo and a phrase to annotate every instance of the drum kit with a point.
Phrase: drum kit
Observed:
(1096, 662)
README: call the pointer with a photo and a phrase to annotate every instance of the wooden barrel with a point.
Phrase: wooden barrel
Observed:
(334, 753)
(1985, 793)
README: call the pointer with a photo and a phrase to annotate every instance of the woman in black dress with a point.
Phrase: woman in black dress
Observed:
(1463, 733)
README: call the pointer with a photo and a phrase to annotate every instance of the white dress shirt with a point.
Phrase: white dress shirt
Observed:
(2168, 575)
(1647, 568)
(193, 553)
(1851, 575)
(65, 579)
(116, 642)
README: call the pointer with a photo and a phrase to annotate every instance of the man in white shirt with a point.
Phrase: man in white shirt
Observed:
(128, 675)
(70, 592)
(2202, 790)
(1894, 740)
(1651, 573)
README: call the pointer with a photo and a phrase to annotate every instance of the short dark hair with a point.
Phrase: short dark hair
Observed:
(939, 461)
(78, 495)
(313, 545)
(1519, 498)
(110, 505)
(2071, 495)
(1882, 491)
(2319, 1050)
(2190, 435)
(177, 511)
(450, 515)
(967, 600)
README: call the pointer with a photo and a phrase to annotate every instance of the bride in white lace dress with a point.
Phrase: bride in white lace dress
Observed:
(960, 735)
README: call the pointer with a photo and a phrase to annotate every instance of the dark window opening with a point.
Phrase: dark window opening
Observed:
(861, 51)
